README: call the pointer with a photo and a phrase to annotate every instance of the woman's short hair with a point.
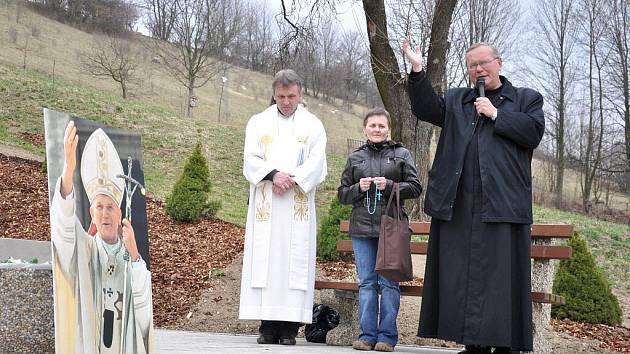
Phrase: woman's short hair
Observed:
(378, 111)
(286, 77)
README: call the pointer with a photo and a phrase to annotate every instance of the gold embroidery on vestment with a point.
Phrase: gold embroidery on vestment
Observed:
(262, 207)
(266, 141)
(300, 205)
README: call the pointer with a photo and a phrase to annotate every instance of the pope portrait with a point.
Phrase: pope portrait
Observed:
(102, 285)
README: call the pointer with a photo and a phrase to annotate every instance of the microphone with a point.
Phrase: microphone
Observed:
(481, 86)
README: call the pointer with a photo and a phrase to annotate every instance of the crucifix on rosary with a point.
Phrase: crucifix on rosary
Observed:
(376, 197)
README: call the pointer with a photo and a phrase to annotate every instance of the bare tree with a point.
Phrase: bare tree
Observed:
(351, 65)
(225, 23)
(619, 73)
(256, 44)
(556, 37)
(480, 21)
(161, 18)
(391, 82)
(413, 21)
(593, 26)
(327, 33)
(188, 60)
(113, 58)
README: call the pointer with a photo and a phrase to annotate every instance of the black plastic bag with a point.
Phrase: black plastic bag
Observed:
(325, 318)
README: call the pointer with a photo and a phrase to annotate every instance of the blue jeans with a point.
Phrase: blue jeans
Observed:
(376, 326)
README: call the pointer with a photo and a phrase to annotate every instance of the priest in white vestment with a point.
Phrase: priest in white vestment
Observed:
(284, 161)
(102, 286)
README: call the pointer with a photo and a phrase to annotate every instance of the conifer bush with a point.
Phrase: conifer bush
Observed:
(586, 289)
(329, 230)
(189, 199)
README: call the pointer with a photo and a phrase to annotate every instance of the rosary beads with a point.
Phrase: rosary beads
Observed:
(377, 197)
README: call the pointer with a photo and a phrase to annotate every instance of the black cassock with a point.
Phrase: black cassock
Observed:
(477, 286)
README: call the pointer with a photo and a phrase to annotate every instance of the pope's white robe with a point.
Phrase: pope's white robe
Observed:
(83, 289)
(278, 275)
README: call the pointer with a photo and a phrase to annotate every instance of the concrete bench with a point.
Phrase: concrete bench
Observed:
(543, 251)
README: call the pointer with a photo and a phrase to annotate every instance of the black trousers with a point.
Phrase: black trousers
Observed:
(280, 329)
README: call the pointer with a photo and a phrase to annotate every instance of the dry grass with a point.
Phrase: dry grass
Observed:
(246, 92)
(572, 189)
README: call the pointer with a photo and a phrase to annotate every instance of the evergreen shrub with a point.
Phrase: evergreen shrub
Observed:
(329, 230)
(586, 289)
(189, 199)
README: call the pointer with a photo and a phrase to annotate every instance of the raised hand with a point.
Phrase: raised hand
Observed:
(70, 143)
(414, 57)
(129, 239)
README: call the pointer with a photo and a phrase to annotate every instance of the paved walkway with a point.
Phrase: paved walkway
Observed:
(169, 341)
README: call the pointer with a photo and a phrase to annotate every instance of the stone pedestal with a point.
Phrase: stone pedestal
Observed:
(347, 304)
(542, 281)
(27, 316)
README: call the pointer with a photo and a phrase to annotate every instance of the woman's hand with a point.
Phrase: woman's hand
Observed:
(365, 183)
(381, 182)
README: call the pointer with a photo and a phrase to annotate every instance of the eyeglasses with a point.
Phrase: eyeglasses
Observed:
(484, 64)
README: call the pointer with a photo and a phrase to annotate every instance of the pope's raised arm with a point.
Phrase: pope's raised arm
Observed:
(70, 142)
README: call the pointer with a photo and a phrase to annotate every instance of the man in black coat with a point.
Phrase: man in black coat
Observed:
(477, 286)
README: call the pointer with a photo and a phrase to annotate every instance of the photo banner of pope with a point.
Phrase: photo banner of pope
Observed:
(99, 234)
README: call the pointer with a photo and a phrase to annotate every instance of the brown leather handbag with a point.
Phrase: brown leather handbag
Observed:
(393, 258)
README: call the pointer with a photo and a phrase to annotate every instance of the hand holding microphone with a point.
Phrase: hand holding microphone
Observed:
(483, 105)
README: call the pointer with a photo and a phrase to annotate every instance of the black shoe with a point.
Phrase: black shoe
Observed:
(287, 340)
(505, 350)
(475, 349)
(267, 339)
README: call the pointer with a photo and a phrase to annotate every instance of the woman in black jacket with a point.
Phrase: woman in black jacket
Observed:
(366, 183)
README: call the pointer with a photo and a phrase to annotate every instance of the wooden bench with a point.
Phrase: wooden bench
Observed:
(543, 251)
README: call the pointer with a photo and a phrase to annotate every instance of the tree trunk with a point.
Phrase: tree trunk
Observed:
(439, 44)
(123, 87)
(191, 92)
(415, 135)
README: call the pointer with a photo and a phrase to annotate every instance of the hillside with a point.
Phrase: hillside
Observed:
(55, 46)
(154, 110)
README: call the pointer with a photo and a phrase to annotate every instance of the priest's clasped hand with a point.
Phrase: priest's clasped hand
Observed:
(282, 182)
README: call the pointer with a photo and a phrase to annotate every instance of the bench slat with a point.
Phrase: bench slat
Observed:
(538, 251)
(538, 230)
(416, 290)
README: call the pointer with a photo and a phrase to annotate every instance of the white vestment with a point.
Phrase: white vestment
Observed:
(90, 287)
(278, 275)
